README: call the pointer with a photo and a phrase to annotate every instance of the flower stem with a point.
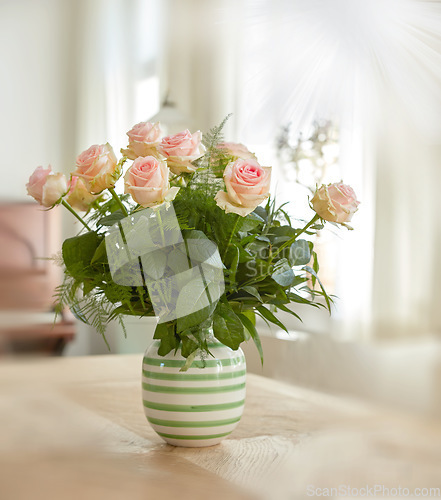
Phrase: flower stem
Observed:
(310, 223)
(72, 211)
(118, 200)
(161, 227)
(294, 238)
(238, 217)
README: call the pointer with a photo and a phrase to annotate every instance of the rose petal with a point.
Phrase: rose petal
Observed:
(224, 202)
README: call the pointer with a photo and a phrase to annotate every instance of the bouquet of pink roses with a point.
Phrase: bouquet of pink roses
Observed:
(190, 241)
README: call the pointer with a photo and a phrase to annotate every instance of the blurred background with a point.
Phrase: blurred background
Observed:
(322, 90)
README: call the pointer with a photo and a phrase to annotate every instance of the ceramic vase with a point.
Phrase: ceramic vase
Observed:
(197, 407)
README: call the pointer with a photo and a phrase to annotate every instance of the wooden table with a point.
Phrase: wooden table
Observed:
(74, 428)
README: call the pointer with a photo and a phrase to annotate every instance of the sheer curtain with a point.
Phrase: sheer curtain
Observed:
(117, 65)
(374, 68)
(407, 271)
(201, 61)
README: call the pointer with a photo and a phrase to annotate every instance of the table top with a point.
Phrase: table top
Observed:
(74, 428)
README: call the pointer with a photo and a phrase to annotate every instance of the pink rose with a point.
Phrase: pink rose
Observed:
(247, 186)
(98, 167)
(181, 150)
(147, 181)
(237, 150)
(78, 196)
(46, 187)
(144, 139)
(335, 202)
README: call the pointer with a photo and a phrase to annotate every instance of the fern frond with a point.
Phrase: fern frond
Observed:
(94, 311)
(214, 136)
(123, 326)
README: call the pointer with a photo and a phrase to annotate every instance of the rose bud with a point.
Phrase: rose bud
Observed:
(237, 150)
(144, 139)
(98, 168)
(247, 186)
(78, 196)
(147, 180)
(46, 187)
(181, 150)
(335, 202)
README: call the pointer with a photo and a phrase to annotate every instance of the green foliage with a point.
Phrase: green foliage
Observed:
(283, 274)
(78, 252)
(267, 265)
(300, 253)
(227, 326)
(103, 207)
(249, 325)
(110, 220)
(166, 333)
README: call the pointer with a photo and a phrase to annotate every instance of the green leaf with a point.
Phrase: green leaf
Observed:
(262, 213)
(189, 345)
(167, 345)
(195, 296)
(199, 247)
(232, 260)
(249, 313)
(111, 219)
(259, 248)
(244, 255)
(283, 274)
(248, 271)
(263, 238)
(294, 297)
(88, 286)
(271, 289)
(234, 264)
(252, 291)
(254, 270)
(287, 218)
(227, 327)
(177, 261)
(325, 295)
(270, 317)
(251, 221)
(247, 239)
(78, 253)
(154, 263)
(247, 323)
(281, 234)
(161, 330)
(100, 254)
(299, 280)
(194, 319)
(315, 266)
(165, 332)
(283, 307)
(299, 253)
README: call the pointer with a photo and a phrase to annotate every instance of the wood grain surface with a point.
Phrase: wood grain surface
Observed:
(74, 428)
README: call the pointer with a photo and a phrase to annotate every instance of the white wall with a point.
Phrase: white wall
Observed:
(36, 92)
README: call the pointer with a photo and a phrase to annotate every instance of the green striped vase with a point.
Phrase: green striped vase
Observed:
(198, 407)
